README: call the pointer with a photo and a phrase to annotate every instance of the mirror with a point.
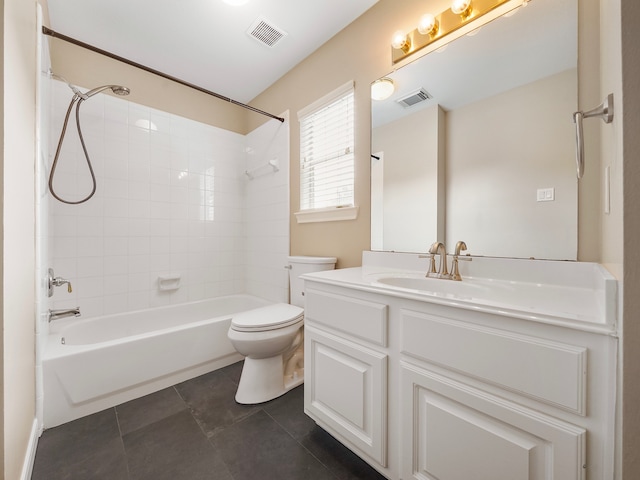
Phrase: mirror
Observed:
(489, 157)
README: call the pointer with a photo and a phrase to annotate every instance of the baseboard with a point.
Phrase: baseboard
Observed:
(30, 456)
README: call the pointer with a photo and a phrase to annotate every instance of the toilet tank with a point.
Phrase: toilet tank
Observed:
(301, 265)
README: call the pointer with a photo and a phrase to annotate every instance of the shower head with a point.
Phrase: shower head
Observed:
(120, 90)
(117, 89)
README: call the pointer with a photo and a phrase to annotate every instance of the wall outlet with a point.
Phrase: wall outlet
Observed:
(546, 194)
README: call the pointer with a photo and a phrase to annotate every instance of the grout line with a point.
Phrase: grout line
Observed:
(334, 474)
(124, 450)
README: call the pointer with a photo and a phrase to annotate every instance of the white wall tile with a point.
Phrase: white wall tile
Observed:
(90, 266)
(116, 264)
(171, 197)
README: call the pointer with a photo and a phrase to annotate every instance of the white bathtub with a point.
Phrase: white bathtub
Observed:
(97, 363)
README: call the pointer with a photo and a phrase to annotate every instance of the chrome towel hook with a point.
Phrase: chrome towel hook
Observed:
(605, 112)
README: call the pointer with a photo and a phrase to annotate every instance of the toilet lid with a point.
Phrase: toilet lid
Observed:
(271, 317)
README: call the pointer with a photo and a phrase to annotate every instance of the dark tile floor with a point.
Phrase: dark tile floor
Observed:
(196, 430)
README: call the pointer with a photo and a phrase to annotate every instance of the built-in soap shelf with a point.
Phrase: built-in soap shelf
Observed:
(271, 166)
(170, 281)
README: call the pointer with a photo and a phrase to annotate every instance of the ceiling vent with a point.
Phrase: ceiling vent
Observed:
(414, 98)
(265, 32)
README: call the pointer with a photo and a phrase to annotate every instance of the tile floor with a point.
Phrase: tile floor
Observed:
(195, 430)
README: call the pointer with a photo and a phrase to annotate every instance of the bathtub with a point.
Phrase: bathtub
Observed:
(96, 363)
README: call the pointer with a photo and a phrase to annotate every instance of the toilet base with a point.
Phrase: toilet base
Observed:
(264, 379)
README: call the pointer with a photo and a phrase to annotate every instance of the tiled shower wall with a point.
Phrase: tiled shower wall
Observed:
(172, 199)
(267, 211)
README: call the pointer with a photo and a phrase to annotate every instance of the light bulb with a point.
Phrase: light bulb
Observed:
(461, 7)
(428, 25)
(400, 41)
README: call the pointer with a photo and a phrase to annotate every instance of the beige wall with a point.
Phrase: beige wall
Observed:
(87, 69)
(500, 151)
(413, 172)
(2, 55)
(361, 53)
(18, 265)
(589, 187)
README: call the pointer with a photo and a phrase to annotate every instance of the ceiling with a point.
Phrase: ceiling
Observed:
(205, 42)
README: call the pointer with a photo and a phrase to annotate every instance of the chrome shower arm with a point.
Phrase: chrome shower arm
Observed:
(605, 112)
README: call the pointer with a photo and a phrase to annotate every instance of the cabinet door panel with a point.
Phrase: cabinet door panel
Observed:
(454, 432)
(353, 316)
(345, 390)
(551, 372)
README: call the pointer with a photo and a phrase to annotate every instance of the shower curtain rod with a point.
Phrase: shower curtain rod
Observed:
(54, 34)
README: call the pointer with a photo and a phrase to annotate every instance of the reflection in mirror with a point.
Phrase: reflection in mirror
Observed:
(488, 157)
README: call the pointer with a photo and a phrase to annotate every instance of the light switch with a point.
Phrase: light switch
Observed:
(546, 194)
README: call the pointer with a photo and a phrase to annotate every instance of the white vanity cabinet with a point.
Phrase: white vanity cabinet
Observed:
(462, 415)
(426, 391)
(346, 364)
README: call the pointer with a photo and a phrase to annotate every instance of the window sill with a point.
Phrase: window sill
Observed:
(332, 214)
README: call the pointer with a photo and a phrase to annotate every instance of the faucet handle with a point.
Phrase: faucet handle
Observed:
(432, 263)
(59, 281)
(53, 281)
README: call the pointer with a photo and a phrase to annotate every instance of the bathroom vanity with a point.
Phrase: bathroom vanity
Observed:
(508, 374)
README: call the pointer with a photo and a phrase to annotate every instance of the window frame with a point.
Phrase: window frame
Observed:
(331, 213)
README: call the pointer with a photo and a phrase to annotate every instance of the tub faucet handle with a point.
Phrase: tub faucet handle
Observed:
(57, 282)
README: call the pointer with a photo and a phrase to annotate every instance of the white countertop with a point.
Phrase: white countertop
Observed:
(578, 295)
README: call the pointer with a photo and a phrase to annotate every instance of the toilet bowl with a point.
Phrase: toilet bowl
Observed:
(272, 339)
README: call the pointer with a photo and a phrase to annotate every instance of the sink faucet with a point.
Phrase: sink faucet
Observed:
(57, 314)
(437, 248)
(455, 273)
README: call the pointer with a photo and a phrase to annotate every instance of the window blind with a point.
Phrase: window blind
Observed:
(327, 151)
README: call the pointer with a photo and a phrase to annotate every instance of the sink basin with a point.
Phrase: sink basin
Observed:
(433, 286)
(528, 299)
(579, 295)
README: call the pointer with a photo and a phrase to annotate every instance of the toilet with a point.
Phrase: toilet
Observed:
(272, 339)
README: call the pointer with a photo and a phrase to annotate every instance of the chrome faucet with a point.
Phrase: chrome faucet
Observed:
(62, 313)
(437, 248)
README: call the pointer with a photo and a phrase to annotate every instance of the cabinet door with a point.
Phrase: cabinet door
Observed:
(451, 431)
(345, 391)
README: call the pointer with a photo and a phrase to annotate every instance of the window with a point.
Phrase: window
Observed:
(327, 157)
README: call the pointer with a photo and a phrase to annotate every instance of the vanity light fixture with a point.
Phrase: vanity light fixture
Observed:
(461, 7)
(463, 17)
(428, 25)
(401, 41)
(382, 88)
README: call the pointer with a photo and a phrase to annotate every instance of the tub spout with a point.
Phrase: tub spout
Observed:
(57, 314)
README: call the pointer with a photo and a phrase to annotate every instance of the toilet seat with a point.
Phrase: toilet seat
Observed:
(271, 317)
